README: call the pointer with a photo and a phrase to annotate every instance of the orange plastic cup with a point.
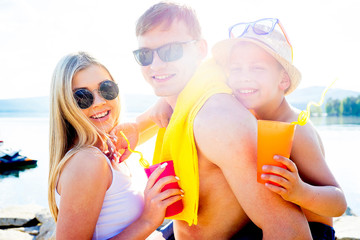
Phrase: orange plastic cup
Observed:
(177, 206)
(274, 138)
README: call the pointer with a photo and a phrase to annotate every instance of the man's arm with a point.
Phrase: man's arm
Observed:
(226, 133)
(146, 127)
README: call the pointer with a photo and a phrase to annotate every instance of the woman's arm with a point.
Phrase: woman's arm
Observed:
(156, 203)
(82, 186)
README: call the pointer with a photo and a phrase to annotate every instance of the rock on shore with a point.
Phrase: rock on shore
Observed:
(32, 222)
(26, 222)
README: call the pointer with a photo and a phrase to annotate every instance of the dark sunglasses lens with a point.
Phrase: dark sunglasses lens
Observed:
(109, 90)
(170, 52)
(84, 98)
(238, 30)
(144, 56)
(264, 26)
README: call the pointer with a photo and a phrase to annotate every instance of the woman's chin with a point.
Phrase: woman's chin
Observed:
(104, 126)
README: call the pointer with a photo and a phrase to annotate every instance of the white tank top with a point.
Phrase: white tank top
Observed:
(122, 205)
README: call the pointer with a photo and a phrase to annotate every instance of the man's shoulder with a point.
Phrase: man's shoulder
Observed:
(223, 115)
(222, 107)
(224, 129)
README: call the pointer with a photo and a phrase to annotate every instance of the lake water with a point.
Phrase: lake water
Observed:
(341, 138)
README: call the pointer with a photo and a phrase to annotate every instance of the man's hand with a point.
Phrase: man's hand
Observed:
(161, 113)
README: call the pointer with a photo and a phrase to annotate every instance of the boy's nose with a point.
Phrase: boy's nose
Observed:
(244, 77)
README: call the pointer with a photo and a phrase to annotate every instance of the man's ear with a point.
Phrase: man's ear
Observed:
(285, 80)
(202, 48)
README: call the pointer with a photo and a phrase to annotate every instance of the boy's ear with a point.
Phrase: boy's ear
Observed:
(285, 81)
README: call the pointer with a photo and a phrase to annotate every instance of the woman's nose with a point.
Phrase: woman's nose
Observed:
(98, 99)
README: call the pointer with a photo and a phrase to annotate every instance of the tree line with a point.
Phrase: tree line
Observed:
(349, 106)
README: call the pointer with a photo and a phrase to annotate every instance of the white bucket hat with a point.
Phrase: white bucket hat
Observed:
(274, 43)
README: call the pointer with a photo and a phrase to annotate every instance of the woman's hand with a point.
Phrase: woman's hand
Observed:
(291, 187)
(156, 201)
(161, 113)
(111, 151)
(131, 132)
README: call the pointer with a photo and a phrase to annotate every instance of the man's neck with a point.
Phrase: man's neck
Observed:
(171, 100)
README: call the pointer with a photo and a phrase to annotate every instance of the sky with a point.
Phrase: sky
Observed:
(35, 34)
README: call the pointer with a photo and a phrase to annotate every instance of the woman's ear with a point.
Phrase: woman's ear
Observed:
(285, 81)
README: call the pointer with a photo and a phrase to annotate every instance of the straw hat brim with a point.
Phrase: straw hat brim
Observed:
(221, 53)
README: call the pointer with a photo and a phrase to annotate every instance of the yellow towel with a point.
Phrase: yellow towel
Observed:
(176, 142)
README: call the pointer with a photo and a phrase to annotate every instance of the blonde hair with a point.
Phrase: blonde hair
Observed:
(67, 121)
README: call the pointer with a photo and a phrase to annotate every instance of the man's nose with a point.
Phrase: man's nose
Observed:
(157, 62)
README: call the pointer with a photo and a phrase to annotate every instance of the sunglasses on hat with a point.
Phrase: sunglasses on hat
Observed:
(167, 53)
(260, 27)
(108, 90)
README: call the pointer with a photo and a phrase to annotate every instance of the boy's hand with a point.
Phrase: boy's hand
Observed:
(161, 113)
(132, 134)
(291, 186)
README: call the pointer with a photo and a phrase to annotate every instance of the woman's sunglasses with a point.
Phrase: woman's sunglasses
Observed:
(84, 98)
(167, 53)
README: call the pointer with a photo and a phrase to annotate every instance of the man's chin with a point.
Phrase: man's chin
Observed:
(161, 93)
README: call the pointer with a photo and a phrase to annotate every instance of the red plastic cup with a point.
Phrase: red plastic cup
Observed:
(274, 138)
(177, 206)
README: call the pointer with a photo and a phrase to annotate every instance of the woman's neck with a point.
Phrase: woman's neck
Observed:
(99, 144)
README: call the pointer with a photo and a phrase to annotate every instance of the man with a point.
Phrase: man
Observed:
(223, 131)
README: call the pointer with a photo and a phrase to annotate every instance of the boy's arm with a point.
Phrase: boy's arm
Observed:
(322, 194)
(226, 133)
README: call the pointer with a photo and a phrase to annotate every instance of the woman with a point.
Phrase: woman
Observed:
(91, 196)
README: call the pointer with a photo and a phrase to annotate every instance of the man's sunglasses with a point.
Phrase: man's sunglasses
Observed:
(84, 98)
(167, 53)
